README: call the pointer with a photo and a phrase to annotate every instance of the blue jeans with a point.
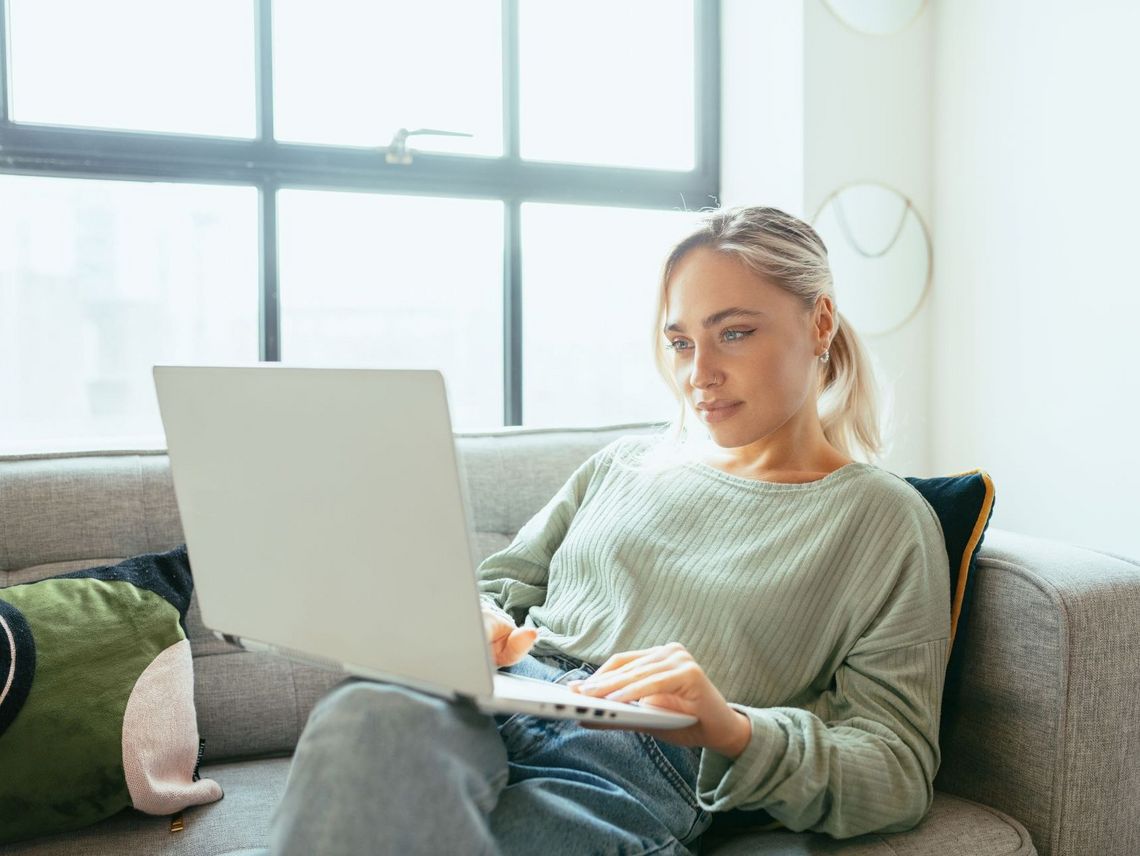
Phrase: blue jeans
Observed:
(385, 769)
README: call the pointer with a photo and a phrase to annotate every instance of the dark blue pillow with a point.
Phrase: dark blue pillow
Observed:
(964, 504)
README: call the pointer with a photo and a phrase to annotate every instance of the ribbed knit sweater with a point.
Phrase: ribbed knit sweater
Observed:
(819, 610)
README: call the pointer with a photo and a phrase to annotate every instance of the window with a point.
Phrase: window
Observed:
(589, 329)
(119, 64)
(442, 65)
(400, 282)
(599, 85)
(253, 196)
(99, 281)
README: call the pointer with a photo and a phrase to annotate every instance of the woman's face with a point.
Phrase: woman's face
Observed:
(738, 339)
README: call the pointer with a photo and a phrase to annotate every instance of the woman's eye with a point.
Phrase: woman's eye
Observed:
(729, 336)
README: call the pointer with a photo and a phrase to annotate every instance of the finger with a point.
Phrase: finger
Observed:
(627, 660)
(672, 681)
(630, 673)
(521, 640)
(618, 660)
(515, 646)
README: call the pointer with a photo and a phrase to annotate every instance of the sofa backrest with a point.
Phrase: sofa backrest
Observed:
(63, 512)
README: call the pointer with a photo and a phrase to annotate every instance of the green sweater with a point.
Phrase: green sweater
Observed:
(819, 610)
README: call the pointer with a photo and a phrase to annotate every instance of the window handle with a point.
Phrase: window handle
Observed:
(398, 148)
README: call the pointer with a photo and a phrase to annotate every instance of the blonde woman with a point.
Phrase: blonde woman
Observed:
(744, 567)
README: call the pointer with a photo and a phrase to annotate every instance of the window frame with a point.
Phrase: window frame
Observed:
(270, 165)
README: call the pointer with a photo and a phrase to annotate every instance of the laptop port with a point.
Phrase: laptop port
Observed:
(613, 715)
(600, 713)
(560, 707)
(582, 709)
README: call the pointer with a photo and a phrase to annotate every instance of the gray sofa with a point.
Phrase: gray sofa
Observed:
(1044, 725)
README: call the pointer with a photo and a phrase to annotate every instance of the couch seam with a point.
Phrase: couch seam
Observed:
(1017, 826)
(297, 727)
(1022, 832)
(1057, 803)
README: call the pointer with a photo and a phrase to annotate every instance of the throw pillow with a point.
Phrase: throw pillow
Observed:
(964, 504)
(97, 697)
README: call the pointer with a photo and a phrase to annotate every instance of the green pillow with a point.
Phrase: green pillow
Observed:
(97, 697)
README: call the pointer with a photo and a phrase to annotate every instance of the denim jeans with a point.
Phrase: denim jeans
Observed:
(385, 769)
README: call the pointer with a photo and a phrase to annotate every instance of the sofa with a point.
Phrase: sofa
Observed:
(1041, 728)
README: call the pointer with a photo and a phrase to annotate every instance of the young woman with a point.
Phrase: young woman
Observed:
(747, 570)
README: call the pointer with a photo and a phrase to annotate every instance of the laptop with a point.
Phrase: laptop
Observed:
(326, 521)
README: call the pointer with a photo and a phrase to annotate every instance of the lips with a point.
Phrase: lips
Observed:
(718, 411)
(715, 405)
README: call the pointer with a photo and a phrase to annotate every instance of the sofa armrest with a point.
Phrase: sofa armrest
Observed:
(1042, 720)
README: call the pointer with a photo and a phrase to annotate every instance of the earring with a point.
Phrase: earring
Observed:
(825, 356)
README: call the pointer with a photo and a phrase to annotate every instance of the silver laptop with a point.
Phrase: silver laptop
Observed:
(326, 521)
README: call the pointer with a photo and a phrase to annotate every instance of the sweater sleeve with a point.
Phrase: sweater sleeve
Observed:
(860, 757)
(514, 579)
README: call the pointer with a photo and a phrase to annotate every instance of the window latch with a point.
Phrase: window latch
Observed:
(398, 149)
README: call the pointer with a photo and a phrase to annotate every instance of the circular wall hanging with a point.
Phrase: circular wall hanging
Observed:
(879, 252)
(876, 17)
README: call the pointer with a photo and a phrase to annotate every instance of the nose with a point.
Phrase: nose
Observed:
(703, 372)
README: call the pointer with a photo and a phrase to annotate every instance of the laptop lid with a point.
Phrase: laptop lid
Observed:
(323, 512)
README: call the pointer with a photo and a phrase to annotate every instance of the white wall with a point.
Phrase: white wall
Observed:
(1036, 291)
(810, 105)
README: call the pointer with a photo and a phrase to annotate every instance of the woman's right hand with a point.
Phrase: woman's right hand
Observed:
(509, 642)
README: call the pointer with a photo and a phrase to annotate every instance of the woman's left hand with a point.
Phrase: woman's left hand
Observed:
(667, 676)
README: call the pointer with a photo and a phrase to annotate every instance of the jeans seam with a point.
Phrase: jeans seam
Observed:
(567, 662)
(669, 771)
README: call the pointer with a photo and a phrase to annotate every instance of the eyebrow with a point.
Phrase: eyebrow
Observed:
(716, 318)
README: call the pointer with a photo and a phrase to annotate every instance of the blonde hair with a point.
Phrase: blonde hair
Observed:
(789, 253)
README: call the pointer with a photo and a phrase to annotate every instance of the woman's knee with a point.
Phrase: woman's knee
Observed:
(371, 708)
(362, 704)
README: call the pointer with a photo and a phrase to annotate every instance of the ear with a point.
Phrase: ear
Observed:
(824, 320)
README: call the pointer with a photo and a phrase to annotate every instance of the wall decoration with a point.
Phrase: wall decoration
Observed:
(876, 17)
(880, 255)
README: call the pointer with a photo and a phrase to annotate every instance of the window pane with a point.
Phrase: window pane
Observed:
(101, 280)
(353, 73)
(397, 282)
(137, 64)
(607, 83)
(588, 314)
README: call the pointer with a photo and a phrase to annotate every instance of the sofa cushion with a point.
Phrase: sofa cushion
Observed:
(106, 716)
(953, 825)
(238, 822)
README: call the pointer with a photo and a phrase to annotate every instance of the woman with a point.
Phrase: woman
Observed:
(752, 574)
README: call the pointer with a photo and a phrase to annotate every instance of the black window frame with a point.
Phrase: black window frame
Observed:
(271, 165)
